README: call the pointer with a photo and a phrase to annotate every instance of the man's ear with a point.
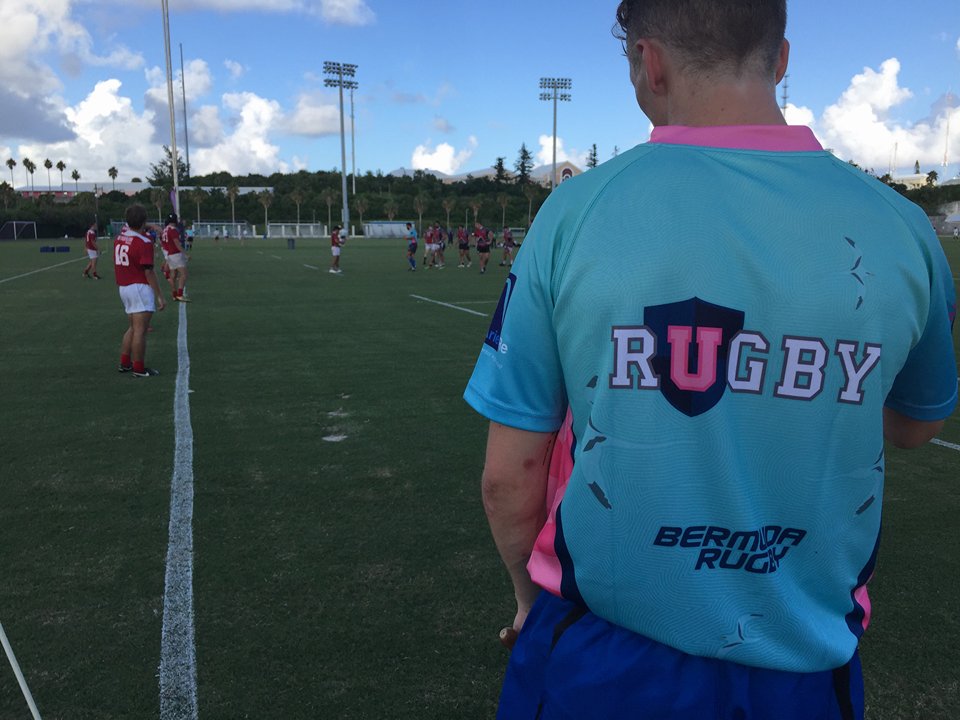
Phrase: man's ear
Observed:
(652, 65)
(783, 60)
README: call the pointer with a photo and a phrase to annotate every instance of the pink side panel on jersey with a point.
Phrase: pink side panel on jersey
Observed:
(863, 599)
(544, 567)
(777, 138)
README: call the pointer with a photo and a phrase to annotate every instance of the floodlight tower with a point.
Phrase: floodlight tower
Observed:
(339, 71)
(555, 85)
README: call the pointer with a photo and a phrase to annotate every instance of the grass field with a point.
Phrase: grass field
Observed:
(351, 579)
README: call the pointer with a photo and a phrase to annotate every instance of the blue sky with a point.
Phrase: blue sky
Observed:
(443, 85)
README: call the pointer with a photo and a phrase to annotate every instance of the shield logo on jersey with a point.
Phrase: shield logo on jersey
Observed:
(693, 348)
(493, 338)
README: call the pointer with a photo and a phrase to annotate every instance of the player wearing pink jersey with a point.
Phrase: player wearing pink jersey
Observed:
(508, 247)
(93, 252)
(176, 258)
(139, 290)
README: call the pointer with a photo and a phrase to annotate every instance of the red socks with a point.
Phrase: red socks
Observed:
(138, 366)
(125, 360)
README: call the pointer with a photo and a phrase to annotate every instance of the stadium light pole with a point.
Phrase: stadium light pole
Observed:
(555, 85)
(339, 71)
(353, 140)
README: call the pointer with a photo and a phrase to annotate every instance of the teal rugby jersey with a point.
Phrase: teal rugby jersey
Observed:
(725, 311)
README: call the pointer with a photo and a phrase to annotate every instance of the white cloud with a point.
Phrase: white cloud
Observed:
(235, 69)
(315, 118)
(346, 12)
(199, 82)
(248, 148)
(958, 46)
(858, 126)
(444, 157)
(799, 115)
(337, 12)
(108, 132)
(545, 156)
(206, 129)
(29, 28)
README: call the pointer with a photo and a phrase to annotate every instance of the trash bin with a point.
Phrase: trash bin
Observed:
(291, 244)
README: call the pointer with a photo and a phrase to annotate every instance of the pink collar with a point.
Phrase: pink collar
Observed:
(780, 138)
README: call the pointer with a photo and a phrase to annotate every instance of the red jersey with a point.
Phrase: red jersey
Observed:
(462, 236)
(91, 240)
(170, 240)
(132, 253)
(335, 239)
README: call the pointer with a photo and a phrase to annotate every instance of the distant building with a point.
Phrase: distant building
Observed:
(565, 171)
(912, 181)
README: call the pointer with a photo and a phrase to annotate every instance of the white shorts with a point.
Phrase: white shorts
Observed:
(176, 261)
(335, 251)
(433, 247)
(93, 254)
(137, 298)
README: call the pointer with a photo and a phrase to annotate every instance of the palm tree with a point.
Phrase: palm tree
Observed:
(361, 204)
(113, 172)
(198, 196)
(29, 166)
(11, 163)
(76, 179)
(329, 196)
(475, 205)
(232, 192)
(503, 200)
(265, 198)
(420, 204)
(156, 199)
(61, 166)
(48, 164)
(390, 208)
(531, 192)
(297, 197)
(449, 204)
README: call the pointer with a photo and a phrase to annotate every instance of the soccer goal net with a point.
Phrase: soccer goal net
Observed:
(18, 230)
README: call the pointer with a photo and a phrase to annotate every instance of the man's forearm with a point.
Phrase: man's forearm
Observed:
(514, 498)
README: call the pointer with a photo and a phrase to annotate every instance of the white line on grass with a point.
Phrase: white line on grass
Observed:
(949, 446)
(34, 272)
(276, 257)
(178, 653)
(312, 267)
(448, 305)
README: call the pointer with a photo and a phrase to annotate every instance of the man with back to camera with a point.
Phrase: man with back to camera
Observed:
(699, 560)
(139, 290)
(176, 258)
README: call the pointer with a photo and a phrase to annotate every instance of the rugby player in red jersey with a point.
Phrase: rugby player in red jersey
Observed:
(139, 290)
(175, 257)
(485, 239)
(463, 241)
(508, 247)
(92, 252)
(337, 239)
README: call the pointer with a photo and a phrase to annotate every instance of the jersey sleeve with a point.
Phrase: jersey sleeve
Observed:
(518, 379)
(926, 388)
(145, 258)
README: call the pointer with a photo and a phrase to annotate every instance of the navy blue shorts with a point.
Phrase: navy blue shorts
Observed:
(570, 664)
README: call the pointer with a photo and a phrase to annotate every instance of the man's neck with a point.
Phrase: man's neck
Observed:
(724, 102)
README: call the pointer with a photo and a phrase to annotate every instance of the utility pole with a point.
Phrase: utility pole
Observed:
(353, 140)
(555, 85)
(339, 71)
(173, 120)
(186, 130)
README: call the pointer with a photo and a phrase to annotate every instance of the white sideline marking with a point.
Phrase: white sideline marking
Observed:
(335, 438)
(477, 302)
(453, 307)
(276, 257)
(34, 272)
(178, 653)
(312, 267)
(949, 446)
